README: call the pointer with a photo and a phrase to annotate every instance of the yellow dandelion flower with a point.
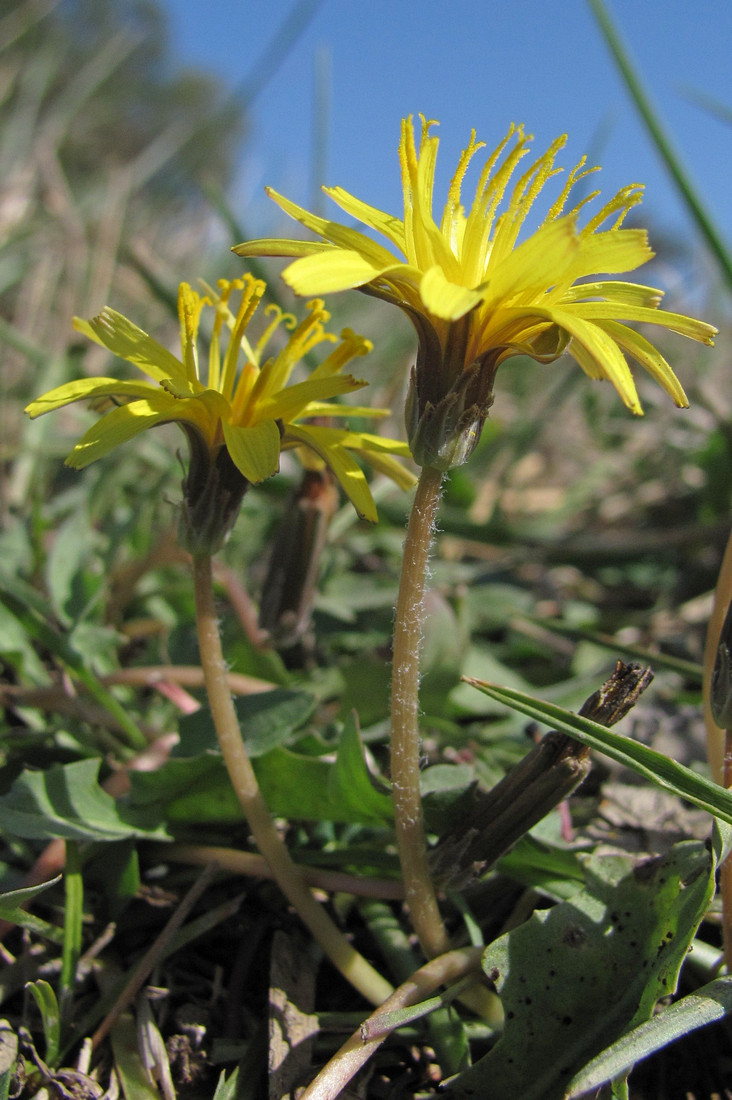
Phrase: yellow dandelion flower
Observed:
(244, 414)
(478, 295)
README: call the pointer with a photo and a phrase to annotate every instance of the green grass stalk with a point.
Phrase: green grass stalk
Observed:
(73, 919)
(663, 143)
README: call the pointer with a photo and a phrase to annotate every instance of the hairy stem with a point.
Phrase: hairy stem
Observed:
(344, 957)
(418, 887)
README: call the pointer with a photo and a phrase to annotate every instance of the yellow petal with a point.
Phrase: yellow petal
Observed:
(604, 354)
(340, 235)
(595, 351)
(208, 407)
(325, 408)
(390, 227)
(292, 401)
(117, 427)
(276, 246)
(342, 437)
(446, 299)
(181, 389)
(344, 466)
(378, 443)
(326, 272)
(120, 336)
(389, 466)
(634, 294)
(256, 450)
(650, 358)
(611, 252)
(676, 322)
(83, 388)
(538, 263)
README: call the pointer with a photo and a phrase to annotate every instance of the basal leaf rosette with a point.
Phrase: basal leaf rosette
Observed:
(237, 405)
(479, 289)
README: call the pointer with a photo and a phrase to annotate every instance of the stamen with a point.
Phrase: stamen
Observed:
(454, 205)
(575, 175)
(190, 305)
(625, 200)
(524, 193)
(214, 352)
(351, 346)
(252, 292)
(477, 243)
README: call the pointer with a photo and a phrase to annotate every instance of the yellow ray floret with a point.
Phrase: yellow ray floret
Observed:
(475, 277)
(242, 399)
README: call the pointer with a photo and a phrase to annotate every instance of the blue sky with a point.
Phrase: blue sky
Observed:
(468, 63)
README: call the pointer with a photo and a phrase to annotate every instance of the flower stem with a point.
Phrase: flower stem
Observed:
(725, 876)
(409, 820)
(354, 1053)
(333, 943)
(716, 749)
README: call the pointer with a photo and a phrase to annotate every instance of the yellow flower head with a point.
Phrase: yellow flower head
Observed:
(245, 413)
(478, 295)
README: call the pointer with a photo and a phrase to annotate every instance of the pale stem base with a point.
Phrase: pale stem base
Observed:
(359, 1048)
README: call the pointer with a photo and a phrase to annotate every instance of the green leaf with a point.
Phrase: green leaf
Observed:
(481, 663)
(575, 977)
(266, 720)
(8, 1058)
(294, 785)
(652, 765)
(12, 900)
(226, 1090)
(366, 689)
(114, 872)
(446, 795)
(196, 790)
(133, 1074)
(32, 612)
(444, 646)
(710, 1003)
(11, 909)
(67, 801)
(555, 872)
(47, 1004)
(313, 789)
(690, 669)
(297, 786)
(18, 650)
(68, 555)
(351, 787)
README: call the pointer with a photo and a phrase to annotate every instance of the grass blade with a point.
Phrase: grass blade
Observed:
(711, 1002)
(662, 141)
(73, 917)
(654, 766)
